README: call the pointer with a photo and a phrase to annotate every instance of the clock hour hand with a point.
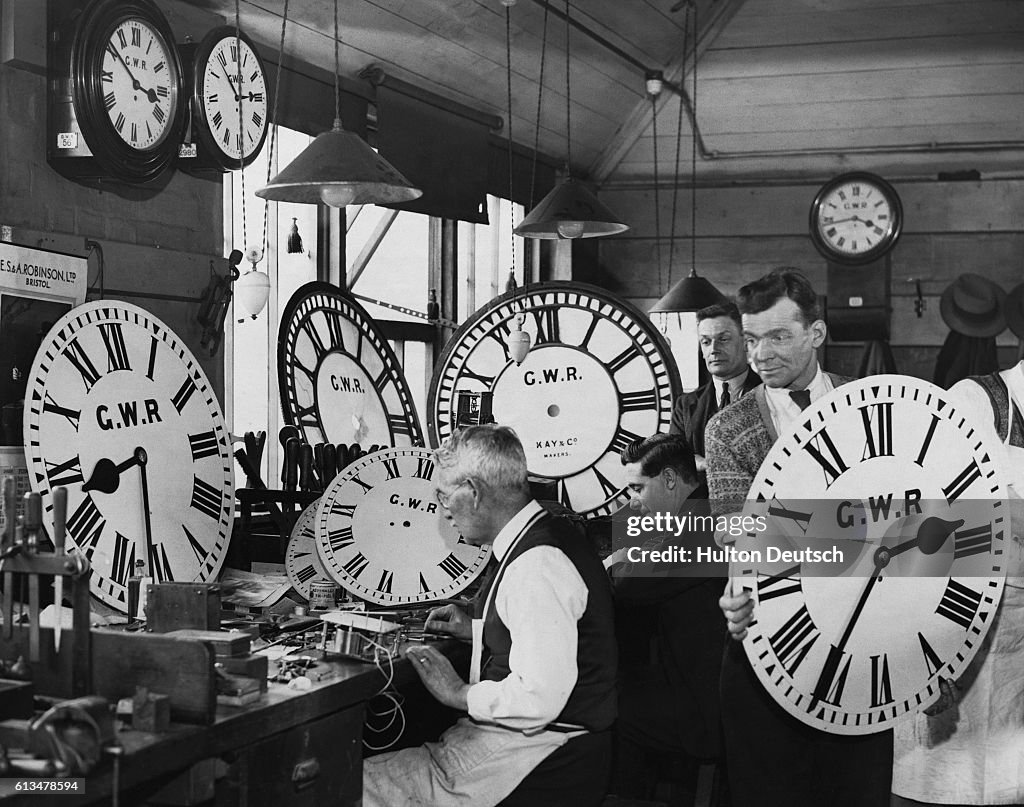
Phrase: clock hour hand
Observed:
(106, 475)
(931, 535)
(136, 84)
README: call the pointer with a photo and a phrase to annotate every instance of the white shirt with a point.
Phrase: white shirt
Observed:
(735, 385)
(540, 598)
(784, 410)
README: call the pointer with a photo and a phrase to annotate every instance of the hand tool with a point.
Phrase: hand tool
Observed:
(32, 522)
(330, 464)
(7, 548)
(306, 467)
(60, 512)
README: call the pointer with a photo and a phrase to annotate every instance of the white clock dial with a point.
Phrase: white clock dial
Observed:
(232, 89)
(599, 375)
(907, 489)
(139, 90)
(340, 380)
(856, 218)
(302, 558)
(119, 412)
(383, 536)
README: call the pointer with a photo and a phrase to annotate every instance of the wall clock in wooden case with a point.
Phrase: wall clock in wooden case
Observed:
(856, 218)
(227, 83)
(890, 471)
(120, 413)
(383, 536)
(599, 375)
(340, 381)
(116, 104)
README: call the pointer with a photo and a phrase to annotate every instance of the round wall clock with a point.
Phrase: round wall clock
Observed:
(890, 473)
(119, 412)
(229, 100)
(383, 536)
(302, 558)
(340, 380)
(856, 218)
(126, 81)
(599, 375)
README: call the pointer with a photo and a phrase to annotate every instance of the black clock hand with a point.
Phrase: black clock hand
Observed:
(106, 476)
(136, 84)
(141, 459)
(931, 535)
(223, 72)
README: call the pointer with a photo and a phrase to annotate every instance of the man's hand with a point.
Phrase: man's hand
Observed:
(738, 610)
(618, 556)
(438, 676)
(452, 620)
(948, 697)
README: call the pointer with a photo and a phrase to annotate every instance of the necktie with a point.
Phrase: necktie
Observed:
(725, 400)
(802, 398)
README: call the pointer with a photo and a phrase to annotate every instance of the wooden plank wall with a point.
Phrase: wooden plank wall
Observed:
(950, 228)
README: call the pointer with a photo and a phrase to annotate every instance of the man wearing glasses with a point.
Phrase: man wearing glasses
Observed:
(541, 692)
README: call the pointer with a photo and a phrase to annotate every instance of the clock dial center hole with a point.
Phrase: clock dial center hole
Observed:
(553, 411)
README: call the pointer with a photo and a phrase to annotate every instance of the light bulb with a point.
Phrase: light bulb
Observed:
(570, 229)
(337, 195)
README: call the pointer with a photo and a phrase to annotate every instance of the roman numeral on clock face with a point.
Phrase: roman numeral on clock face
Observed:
(877, 421)
(794, 640)
(959, 603)
(85, 526)
(881, 687)
(453, 566)
(117, 351)
(832, 680)
(824, 450)
(771, 586)
(204, 444)
(955, 489)
(206, 498)
(972, 541)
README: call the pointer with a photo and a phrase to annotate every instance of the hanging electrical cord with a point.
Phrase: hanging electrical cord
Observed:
(693, 177)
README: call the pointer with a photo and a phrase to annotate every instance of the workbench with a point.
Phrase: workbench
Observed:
(261, 745)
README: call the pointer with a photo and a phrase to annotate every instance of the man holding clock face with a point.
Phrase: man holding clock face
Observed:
(773, 758)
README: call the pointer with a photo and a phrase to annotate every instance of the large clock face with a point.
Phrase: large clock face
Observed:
(230, 97)
(119, 412)
(302, 557)
(887, 471)
(383, 536)
(856, 218)
(598, 376)
(340, 381)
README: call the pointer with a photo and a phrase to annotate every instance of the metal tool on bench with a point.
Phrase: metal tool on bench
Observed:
(23, 561)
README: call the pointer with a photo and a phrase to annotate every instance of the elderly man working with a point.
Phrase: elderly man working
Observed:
(541, 695)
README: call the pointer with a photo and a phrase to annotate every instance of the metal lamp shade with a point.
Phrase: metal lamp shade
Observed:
(570, 211)
(339, 168)
(692, 293)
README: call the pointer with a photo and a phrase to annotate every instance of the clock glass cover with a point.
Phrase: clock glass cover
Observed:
(119, 412)
(599, 375)
(383, 536)
(339, 378)
(856, 218)
(887, 471)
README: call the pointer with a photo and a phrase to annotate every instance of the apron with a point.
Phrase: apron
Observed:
(973, 753)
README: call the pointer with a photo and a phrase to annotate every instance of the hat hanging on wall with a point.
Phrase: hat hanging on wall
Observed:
(1013, 308)
(973, 305)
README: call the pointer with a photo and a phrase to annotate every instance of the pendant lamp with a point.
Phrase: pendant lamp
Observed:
(339, 168)
(570, 210)
(693, 292)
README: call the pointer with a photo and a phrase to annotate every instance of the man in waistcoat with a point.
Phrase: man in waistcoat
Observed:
(775, 760)
(541, 697)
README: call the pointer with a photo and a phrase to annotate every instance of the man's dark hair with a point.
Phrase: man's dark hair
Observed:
(726, 308)
(660, 451)
(763, 293)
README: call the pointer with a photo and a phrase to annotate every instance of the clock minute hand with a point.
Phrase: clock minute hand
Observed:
(141, 459)
(136, 84)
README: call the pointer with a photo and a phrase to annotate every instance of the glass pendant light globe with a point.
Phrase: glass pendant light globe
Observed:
(337, 195)
(570, 229)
